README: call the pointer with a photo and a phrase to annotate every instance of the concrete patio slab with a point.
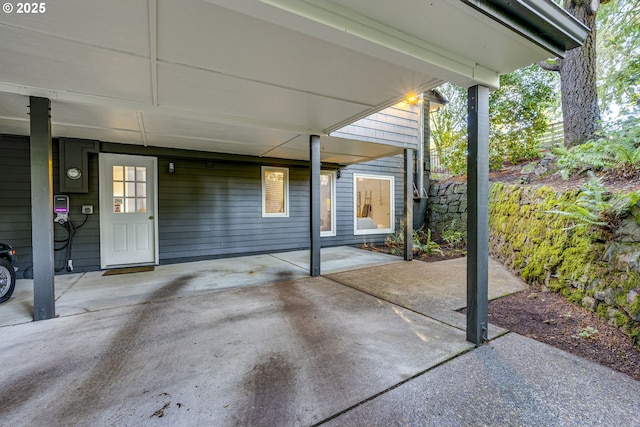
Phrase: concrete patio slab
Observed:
(201, 344)
(92, 291)
(291, 353)
(513, 381)
(434, 289)
(335, 261)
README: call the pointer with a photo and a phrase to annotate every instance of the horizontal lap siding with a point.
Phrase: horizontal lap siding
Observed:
(206, 209)
(217, 211)
(390, 166)
(398, 124)
(15, 209)
(15, 197)
(86, 243)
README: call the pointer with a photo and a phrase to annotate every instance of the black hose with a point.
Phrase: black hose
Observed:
(68, 243)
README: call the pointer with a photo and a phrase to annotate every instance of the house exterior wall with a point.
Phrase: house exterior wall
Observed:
(206, 209)
(211, 206)
(398, 123)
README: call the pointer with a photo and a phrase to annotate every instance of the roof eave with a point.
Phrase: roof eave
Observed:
(543, 22)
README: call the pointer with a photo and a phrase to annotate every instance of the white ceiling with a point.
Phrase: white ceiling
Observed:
(241, 76)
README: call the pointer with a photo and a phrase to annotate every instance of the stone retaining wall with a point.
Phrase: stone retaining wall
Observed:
(600, 272)
(447, 206)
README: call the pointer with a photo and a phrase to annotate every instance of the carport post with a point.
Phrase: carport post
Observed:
(408, 204)
(478, 215)
(314, 196)
(42, 209)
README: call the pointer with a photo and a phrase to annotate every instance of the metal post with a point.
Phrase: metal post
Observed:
(478, 215)
(408, 204)
(42, 209)
(314, 195)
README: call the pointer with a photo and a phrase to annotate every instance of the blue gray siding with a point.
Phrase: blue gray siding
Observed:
(15, 208)
(394, 124)
(209, 208)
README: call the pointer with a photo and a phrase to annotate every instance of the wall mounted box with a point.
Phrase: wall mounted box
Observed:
(74, 164)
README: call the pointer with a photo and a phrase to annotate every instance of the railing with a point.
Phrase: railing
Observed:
(437, 165)
(553, 135)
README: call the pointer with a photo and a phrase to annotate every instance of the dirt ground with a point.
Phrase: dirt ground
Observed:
(547, 316)
(550, 318)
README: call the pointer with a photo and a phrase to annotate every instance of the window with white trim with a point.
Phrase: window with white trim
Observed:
(373, 201)
(275, 192)
(327, 203)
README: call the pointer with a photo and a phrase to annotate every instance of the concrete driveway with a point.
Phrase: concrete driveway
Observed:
(355, 347)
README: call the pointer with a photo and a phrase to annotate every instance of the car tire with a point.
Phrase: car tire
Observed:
(7, 280)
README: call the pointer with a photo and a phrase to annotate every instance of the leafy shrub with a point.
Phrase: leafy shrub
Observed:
(452, 235)
(595, 206)
(423, 244)
(618, 149)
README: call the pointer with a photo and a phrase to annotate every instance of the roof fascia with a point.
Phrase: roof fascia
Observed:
(543, 22)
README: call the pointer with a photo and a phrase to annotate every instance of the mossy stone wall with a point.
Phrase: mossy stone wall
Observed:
(598, 271)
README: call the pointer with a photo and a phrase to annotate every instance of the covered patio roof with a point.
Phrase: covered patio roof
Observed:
(255, 77)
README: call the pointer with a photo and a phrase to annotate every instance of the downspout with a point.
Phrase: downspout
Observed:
(421, 149)
(422, 157)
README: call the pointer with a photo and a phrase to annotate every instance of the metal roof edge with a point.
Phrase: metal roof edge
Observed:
(541, 21)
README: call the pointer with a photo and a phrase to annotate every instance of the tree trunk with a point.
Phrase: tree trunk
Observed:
(580, 110)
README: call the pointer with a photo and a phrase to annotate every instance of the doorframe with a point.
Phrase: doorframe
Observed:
(101, 183)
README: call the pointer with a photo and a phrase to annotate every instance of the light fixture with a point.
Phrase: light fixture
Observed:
(412, 99)
(74, 173)
(171, 168)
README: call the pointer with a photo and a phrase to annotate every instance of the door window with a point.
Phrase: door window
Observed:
(129, 189)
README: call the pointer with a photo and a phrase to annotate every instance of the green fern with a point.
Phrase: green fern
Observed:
(619, 150)
(595, 206)
(422, 243)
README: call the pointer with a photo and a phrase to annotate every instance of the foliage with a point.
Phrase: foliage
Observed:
(453, 236)
(519, 115)
(618, 24)
(588, 332)
(617, 149)
(448, 125)
(595, 206)
(422, 242)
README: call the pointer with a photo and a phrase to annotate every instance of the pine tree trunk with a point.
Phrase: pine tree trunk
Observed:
(578, 81)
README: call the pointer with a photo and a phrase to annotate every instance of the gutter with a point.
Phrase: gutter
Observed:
(543, 22)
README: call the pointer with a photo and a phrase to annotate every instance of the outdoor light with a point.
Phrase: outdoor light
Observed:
(412, 99)
(171, 168)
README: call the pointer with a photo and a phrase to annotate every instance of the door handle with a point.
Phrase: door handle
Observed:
(151, 217)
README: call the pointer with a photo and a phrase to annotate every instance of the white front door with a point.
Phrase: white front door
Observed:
(128, 205)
